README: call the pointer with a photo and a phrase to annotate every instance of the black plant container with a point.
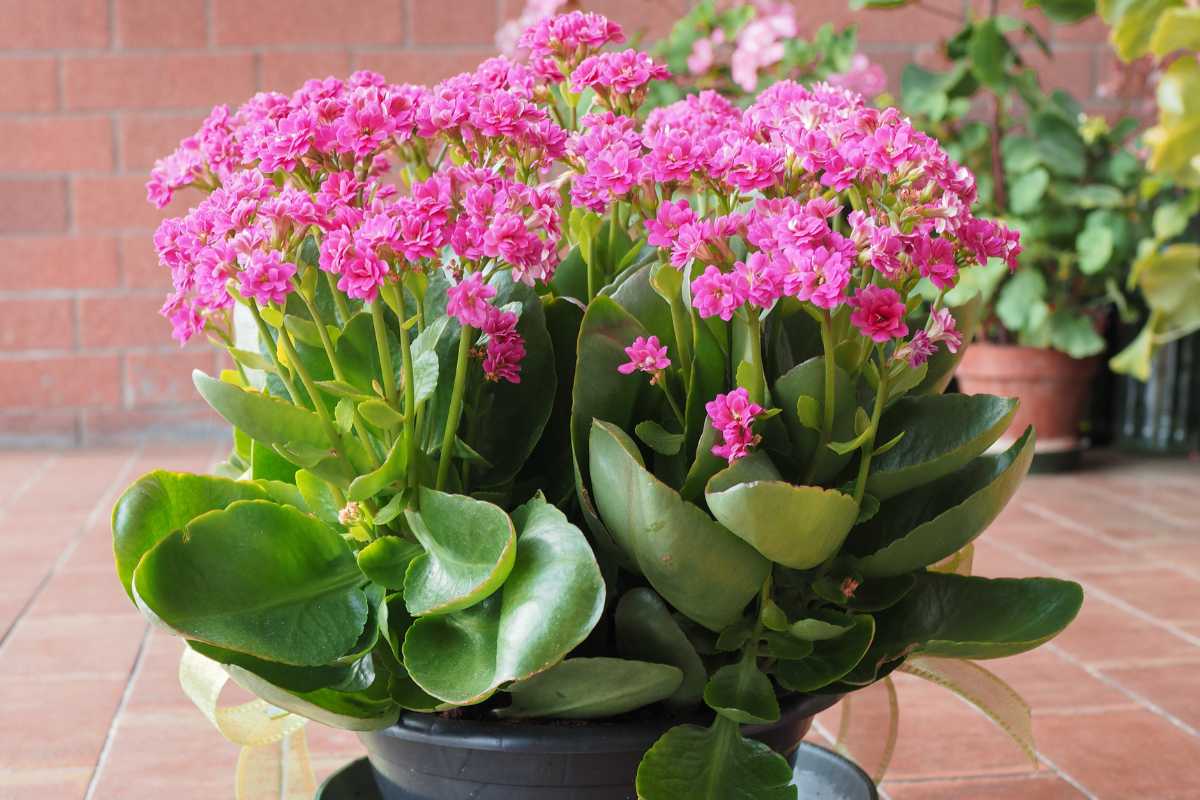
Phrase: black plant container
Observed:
(429, 757)
(1162, 415)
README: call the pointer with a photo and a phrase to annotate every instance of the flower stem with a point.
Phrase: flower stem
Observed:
(284, 376)
(339, 300)
(410, 396)
(331, 431)
(672, 402)
(456, 402)
(830, 379)
(868, 448)
(379, 319)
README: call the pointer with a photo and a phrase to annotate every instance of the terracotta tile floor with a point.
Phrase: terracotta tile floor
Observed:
(90, 707)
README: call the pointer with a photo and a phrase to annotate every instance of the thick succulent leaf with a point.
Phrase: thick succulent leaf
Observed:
(942, 434)
(830, 659)
(551, 601)
(715, 763)
(469, 550)
(285, 676)
(808, 380)
(516, 412)
(260, 579)
(797, 526)
(160, 503)
(821, 625)
(697, 566)
(266, 464)
(955, 616)
(386, 560)
(369, 709)
(646, 630)
(929, 523)
(318, 496)
(742, 693)
(591, 688)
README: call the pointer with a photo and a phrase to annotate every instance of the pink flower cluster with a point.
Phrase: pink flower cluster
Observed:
(467, 301)
(732, 415)
(557, 45)
(617, 77)
(648, 355)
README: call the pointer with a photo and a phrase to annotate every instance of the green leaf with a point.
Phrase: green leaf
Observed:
(944, 432)
(931, 522)
(742, 693)
(258, 578)
(714, 763)
(1133, 23)
(1170, 220)
(923, 92)
(808, 412)
(380, 414)
(1075, 334)
(658, 438)
(366, 710)
(1020, 153)
(1065, 12)
(551, 601)
(1062, 148)
(808, 380)
(591, 688)
(318, 496)
(263, 418)
(1177, 29)
(1095, 248)
(343, 415)
(469, 546)
(285, 676)
(386, 560)
(160, 503)
(248, 358)
(989, 53)
(1027, 191)
(956, 616)
(697, 566)
(825, 625)
(1021, 293)
(646, 630)
(797, 526)
(391, 470)
(1092, 195)
(830, 660)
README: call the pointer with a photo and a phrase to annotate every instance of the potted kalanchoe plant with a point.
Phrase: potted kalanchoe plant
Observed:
(501, 312)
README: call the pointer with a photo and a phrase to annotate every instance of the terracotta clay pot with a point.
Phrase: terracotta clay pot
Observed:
(1053, 389)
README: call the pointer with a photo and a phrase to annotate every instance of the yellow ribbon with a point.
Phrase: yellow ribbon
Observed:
(852, 734)
(959, 563)
(273, 763)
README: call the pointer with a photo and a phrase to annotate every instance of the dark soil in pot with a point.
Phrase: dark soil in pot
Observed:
(432, 757)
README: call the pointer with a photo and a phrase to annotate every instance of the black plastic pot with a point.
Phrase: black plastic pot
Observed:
(428, 757)
(1162, 415)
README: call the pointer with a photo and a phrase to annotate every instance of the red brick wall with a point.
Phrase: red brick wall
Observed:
(92, 91)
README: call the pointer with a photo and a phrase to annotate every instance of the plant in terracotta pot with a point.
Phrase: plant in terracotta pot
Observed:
(559, 412)
(1068, 182)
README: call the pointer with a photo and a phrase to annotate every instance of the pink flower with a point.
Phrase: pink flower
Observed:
(879, 313)
(467, 301)
(761, 278)
(944, 328)
(703, 54)
(821, 274)
(732, 415)
(935, 260)
(646, 355)
(671, 216)
(267, 278)
(863, 76)
(362, 275)
(620, 73)
(917, 350)
(716, 294)
(505, 347)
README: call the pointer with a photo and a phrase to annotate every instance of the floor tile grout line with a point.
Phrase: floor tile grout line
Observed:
(1066, 776)
(35, 475)
(88, 522)
(1145, 702)
(1109, 597)
(122, 704)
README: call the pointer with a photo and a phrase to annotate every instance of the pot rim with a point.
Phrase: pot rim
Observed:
(592, 736)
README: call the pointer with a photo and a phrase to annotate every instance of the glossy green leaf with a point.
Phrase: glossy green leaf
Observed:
(1065, 11)
(797, 526)
(931, 522)
(1095, 248)
(380, 414)
(258, 578)
(646, 630)
(830, 660)
(955, 616)
(366, 710)
(742, 693)
(1027, 190)
(469, 546)
(591, 688)
(318, 496)
(658, 438)
(285, 676)
(264, 418)
(822, 626)
(386, 560)
(390, 471)
(551, 601)
(1062, 148)
(714, 763)
(697, 566)
(989, 53)
(944, 432)
(160, 503)
(808, 380)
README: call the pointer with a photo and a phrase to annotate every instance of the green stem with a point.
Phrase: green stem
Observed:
(868, 448)
(456, 401)
(331, 430)
(229, 345)
(269, 343)
(830, 379)
(338, 373)
(379, 318)
(661, 381)
(591, 271)
(410, 396)
(339, 300)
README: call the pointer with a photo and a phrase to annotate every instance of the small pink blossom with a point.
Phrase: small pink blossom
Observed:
(670, 218)
(943, 328)
(716, 294)
(267, 278)
(467, 301)
(647, 355)
(879, 313)
(732, 415)
(505, 347)
(362, 275)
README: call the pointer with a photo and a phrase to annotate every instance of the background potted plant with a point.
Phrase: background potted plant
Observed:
(1067, 182)
(501, 311)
